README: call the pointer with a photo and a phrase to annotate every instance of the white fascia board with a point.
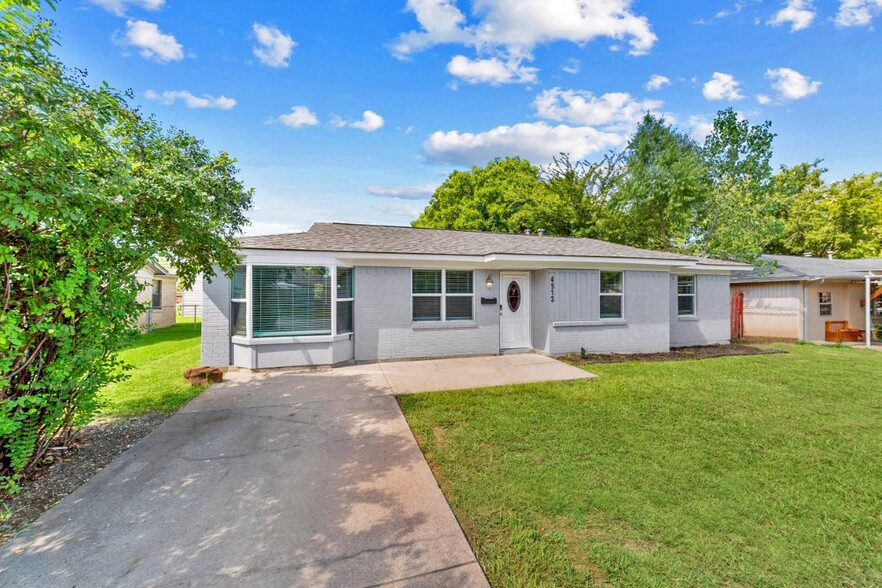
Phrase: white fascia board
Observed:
(492, 261)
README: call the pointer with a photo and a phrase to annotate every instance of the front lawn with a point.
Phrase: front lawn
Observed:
(745, 471)
(156, 381)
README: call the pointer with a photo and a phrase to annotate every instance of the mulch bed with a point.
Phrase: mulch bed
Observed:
(678, 354)
(92, 448)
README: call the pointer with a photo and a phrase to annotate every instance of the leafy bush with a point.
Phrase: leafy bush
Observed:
(89, 191)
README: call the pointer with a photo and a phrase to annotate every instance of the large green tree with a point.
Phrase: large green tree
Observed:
(578, 198)
(737, 218)
(89, 191)
(664, 182)
(498, 197)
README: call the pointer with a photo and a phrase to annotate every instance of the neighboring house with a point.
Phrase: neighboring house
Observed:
(343, 292)
(191, 299)
(159, 293)
(791, 297)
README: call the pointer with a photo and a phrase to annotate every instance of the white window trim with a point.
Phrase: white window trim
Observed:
(602, 294)
(335, 300)
(694, 296)
(443, 295)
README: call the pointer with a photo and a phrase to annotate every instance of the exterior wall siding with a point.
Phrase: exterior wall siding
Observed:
(772, 309)
(157, 318)
(711, 324)
(216, 321)
(383, 326)
(575, 313)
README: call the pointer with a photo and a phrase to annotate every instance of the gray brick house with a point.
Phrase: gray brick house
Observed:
(343, 292)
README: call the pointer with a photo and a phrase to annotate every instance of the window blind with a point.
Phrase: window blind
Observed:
(291, 301)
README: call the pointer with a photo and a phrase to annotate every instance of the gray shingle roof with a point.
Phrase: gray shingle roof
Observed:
(786, 268)
(355, 238)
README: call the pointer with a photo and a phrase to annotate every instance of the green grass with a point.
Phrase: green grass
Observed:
(156, 380)
(742, 471)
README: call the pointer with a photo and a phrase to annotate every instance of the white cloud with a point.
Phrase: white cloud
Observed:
(722, 86)
(538, 142)
(398, 209)
(119, 7)
(792, 85)
(764, 99)
(492, 71)
(727, 12)
(798, 13)
(857, 13)
(421, 192)
(571, 66)
(616, 110)
(153, 43)
(513, 28)
(191, 100)
(701, 127)
(657, 81)
(300, 116)
(370, 122)
(273, 46)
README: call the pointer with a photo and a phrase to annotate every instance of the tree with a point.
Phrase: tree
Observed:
(844, 218)
(499, 197)
(89, 191)
(663, 184)
(578, 196)
(795, 193)
(737, 218)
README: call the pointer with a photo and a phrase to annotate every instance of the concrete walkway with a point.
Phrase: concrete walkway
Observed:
(272, 479)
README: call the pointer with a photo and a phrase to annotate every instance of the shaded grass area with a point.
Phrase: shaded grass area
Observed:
(156, 380)
(740, 471)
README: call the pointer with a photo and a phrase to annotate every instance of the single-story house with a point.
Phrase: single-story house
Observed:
(794, 297)
(342, 292)
(159, 293)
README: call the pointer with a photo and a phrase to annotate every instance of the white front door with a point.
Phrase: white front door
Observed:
(514, 321)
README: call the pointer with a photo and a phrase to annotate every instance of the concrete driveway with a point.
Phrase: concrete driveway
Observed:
(272, 479)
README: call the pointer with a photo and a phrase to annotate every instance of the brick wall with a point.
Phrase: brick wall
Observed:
(644, 329)
(216, 321)
(383, 326)
(710, 326)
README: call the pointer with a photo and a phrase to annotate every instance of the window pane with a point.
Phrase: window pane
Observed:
(238, 283)
(157, 294)
(610, 307)
(685, 284)
(344, 317)
(345, 283)
(611, 282)
(426, 281)
(291, 300)
(426, 308)
(459, 308)
(459, 282)
(826, 310)
(685, 305)
(237, 320)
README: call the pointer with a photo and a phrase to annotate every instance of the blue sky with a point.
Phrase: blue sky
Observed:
(352, 110)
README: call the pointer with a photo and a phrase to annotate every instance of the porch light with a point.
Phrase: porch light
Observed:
(489, 282)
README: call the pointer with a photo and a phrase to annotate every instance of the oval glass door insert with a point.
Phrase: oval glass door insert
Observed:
(514, 296)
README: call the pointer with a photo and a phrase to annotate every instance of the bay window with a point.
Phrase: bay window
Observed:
(291, 301)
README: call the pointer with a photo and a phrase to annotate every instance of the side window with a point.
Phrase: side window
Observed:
(686, 295)
(612, 295)
(825, 303)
